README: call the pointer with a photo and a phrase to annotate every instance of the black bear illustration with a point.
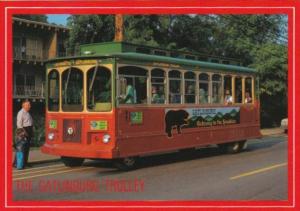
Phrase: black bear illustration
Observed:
(176, 118)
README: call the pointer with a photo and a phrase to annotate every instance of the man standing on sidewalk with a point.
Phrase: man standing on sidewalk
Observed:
(24, 120)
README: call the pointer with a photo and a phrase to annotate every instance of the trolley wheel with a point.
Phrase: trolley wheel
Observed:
(125, 164)
(72, 161)
(233, 147)
(243, 145)
(187, 150)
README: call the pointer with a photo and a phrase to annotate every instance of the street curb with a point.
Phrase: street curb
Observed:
(271, 134)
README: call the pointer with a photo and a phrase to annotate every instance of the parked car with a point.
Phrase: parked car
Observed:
(284, 125)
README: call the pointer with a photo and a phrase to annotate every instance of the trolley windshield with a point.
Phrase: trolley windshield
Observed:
(70, 92)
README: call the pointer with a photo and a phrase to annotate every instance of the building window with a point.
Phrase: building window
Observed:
(203, 88)
(190, 87)
(72, 86)
(99, 89)
(132, 85)
(53, 90)
(175, 86)
(158, 86)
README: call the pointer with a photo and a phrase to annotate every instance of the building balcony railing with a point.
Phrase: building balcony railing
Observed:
(33, 54)
(29, 54)
(29, 92)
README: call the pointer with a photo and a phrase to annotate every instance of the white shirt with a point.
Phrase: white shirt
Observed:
(228, 99)
(24, 119)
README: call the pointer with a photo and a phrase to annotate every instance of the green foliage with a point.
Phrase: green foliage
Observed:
(89, 29)
(153, 30)
(193, 33)
(239, 35)
(271, 62)
(39, 130)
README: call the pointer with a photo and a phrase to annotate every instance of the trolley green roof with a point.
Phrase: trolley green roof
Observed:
(130, 52)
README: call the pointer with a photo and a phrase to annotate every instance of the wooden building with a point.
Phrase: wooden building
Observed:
(34, 43)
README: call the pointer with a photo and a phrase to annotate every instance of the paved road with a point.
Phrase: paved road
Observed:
(259, 173)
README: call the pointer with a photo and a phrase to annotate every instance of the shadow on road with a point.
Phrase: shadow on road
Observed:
(187, 154)
(267, 142)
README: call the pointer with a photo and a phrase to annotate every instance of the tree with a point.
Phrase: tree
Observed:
(89, 29)
(238, 35)
(150, 30)
(271, 63)
(39, 18)
(193, 33)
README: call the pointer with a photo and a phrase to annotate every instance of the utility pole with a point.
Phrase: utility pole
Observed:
(118, 28)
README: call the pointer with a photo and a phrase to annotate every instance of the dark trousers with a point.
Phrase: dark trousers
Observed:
(29, 131)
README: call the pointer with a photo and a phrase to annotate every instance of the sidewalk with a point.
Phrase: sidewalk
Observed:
(36, 156)
(271, 131)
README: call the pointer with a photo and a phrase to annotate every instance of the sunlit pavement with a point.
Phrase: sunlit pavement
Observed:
(258, 173)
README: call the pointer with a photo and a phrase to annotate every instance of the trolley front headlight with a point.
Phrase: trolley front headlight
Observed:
(106, 138)
(51, 136)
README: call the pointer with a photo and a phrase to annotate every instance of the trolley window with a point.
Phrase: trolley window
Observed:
(72, 86)
(99, 89)
(158, 86)
(228, 90)
(238, 90)
(132, 85)
(175, 86)
(203, 88)
(248, 90)
(53, 90)
(190, 87)
(216, 88)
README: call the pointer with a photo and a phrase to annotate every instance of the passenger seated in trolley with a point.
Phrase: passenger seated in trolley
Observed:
(161, 93)
(157, 96)
(175, 97)
(190, 94)
(248, 99)
(130, 96)
(202, 96)
(228, 98)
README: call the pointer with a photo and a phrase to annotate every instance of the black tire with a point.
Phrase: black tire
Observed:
(126, 164)
(72, 161)
(243, 145)
(233, 147)
(187, 150)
